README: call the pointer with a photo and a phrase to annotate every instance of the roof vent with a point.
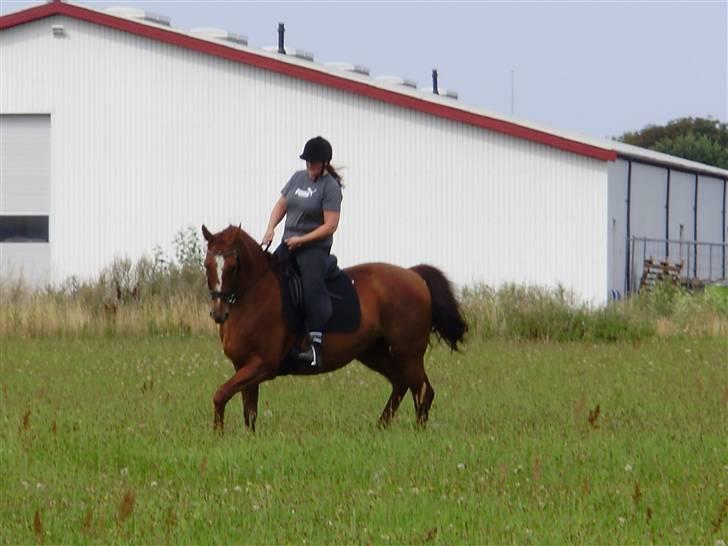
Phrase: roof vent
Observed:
(219, 34)
(449, 93)
(348, 67)
(136, 13)
(299, 53)
(396, 80)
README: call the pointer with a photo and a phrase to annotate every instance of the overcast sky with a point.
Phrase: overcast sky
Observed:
(597, 68)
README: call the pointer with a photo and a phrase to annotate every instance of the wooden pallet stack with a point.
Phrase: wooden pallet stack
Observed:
(659, 271)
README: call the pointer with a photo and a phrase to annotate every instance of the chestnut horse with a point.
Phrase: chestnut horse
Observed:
(399, 309)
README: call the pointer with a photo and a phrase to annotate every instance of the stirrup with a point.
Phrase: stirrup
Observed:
(312, 355)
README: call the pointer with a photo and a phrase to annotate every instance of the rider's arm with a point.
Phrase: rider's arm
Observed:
(276, 215)
(331, 222)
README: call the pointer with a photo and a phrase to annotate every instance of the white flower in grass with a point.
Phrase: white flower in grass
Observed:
(237, 489)
(39, 485)
(124, 471)
(622, 521)
(628, 468)
(461, 466)
(153, 484)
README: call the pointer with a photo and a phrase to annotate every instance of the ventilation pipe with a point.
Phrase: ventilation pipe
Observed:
(281, 32)
(434, 82)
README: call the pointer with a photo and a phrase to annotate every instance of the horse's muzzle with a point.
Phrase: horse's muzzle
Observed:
(219, 311)
(219, 318)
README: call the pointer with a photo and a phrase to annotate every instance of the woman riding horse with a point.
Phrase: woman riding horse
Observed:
(311, 203)
(400, 308)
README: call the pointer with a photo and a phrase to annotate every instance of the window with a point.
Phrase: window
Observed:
(23, 229)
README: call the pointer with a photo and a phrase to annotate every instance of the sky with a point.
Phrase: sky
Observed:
(598, 68)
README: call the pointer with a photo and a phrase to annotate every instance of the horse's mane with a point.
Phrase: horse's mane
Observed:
(236, 236)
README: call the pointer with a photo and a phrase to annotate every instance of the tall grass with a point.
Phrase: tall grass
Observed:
(157, 295)
(537, 313)
(161, 296)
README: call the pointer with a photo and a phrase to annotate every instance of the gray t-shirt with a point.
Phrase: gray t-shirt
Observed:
(306, 202)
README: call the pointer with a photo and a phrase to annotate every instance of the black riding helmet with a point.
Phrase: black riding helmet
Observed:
(317, 150)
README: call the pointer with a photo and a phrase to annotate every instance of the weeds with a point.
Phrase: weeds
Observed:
(537, 313)
(168, 296)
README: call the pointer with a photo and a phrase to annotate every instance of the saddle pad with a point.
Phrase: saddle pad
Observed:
(346, 313)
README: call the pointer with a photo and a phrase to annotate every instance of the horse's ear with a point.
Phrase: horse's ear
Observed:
(206, 233)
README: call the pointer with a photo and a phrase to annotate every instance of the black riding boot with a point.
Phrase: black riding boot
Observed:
(313, 354)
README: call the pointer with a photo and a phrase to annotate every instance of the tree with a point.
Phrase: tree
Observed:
(698, 139)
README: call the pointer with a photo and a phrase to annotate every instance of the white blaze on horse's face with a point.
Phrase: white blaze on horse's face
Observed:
(219, 266)
(219, 307)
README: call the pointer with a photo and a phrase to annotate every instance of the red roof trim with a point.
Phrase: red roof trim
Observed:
(329, 80)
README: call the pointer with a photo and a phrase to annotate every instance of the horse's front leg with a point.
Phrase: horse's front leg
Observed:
(251, 373)
(250, 405)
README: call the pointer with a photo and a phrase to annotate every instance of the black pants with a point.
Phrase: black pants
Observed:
(311, 261)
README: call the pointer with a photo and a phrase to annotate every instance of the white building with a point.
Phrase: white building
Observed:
(118, 130)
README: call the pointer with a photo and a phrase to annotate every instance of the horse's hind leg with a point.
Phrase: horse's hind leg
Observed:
(398, 392)
(426, 396)
(379, 359)
(250, 405)
(422, 392)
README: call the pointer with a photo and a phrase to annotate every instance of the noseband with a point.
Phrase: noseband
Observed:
(228, 296)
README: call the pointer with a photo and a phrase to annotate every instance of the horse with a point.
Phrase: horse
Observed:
(400, 308)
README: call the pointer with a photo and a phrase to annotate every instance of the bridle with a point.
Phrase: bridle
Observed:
(231, 296)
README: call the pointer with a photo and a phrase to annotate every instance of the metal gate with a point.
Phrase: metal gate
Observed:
(700, 262)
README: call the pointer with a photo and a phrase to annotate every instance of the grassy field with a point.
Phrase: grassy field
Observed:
(109, 440)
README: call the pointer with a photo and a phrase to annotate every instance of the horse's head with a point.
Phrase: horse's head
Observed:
(234, 264)
(222, 265)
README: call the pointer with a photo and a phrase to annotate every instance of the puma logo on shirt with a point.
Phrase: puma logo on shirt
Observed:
(308, 192)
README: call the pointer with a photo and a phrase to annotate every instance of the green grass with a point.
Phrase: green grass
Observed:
(510, 454)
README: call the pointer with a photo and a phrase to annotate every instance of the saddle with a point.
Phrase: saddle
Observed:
(346, 312)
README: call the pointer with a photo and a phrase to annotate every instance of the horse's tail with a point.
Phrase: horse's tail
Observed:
(447, 320)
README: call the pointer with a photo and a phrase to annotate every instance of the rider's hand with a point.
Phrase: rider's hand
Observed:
(294, 242)
(267, 238)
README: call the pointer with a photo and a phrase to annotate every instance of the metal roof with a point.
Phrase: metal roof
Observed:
(643, 155)
(354, 82)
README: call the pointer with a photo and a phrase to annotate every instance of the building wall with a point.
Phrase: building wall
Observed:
(682, 218)
(648, 201)
(662, 206)
(25, 157)
(617, 227)
(710, 259)
(149, 138)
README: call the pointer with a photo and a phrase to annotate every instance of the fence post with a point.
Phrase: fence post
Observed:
(631, 274)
